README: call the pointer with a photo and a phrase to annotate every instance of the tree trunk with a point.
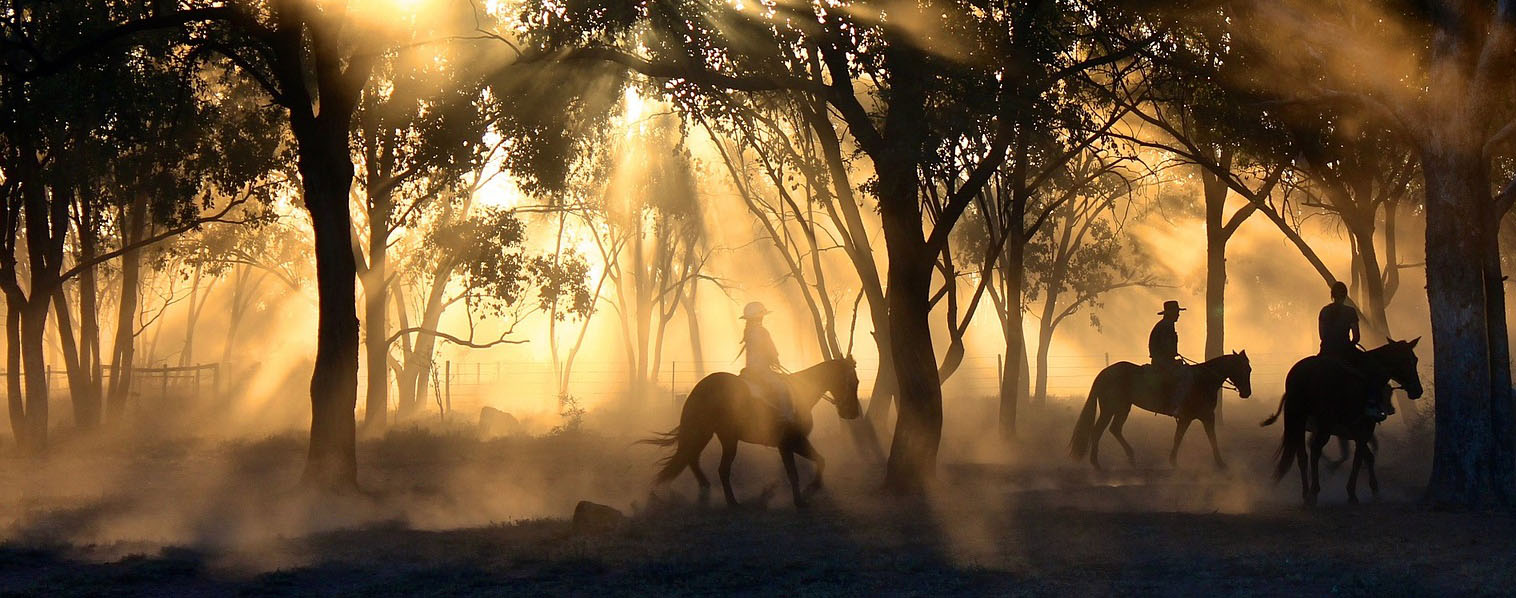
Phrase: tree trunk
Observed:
(86, 409)
(1012, 381)
(1471, 464)
(375, 308)
(89, 342)
(918, 428)
(13, 394)
(326, 172)
(1045, 340)
(34, 363)
(123, 348)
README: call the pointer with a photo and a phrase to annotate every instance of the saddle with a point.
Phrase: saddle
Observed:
(780, 396)
(1170, 385)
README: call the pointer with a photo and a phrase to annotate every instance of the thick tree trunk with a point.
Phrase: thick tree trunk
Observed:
(1471, 464)
(918, 428)
(912, 461)
(13, 393)
(34, 364)
(326, 171)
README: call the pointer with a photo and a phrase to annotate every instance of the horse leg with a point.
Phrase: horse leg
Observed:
(728, 454)
(1210, 432)
(788, 456)
(805, 449)
(1180, 425)
(1305, 473)
(1318, 442)
(1353, 474)
(1368, 461)
(1342, 451)
(1116, 423)
(694, 465)
(1100, 424)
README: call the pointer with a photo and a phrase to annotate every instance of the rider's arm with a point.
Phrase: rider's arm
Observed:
(1355, 334)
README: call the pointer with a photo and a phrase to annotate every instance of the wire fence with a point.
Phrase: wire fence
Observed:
(468, 385)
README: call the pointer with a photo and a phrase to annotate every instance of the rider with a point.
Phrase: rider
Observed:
(763, 371)
(1163, 349)
(1338, 327)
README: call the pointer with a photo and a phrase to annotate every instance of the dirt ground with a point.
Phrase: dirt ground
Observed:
(446, 513)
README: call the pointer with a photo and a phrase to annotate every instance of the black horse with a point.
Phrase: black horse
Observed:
(1324, 397)
(723, 405)
(1123, 384)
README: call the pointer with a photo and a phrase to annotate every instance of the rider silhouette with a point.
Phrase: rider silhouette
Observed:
(1163, 350)
(763, 371)
(1338, 326)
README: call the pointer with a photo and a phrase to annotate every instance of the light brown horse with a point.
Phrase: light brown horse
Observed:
(723, 405)
(1123, 384)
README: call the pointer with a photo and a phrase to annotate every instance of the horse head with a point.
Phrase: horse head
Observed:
(1240, 372)
(844, 389)
(1400, 358)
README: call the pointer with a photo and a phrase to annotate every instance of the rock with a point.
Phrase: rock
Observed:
(594, 518)
(494, 422)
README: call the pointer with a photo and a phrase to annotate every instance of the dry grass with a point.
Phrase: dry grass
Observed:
(445, 513)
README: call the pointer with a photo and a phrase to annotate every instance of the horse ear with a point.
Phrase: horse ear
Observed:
(1414, 341)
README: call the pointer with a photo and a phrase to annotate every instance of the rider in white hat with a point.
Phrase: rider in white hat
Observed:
(763, 371)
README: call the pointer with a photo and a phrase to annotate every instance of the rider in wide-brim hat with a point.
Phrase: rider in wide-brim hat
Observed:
(1171, 307)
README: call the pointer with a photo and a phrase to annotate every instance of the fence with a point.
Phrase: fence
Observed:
(189, 380)
(530, 385)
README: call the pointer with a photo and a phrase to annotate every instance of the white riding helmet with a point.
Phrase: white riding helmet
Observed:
(754, 310)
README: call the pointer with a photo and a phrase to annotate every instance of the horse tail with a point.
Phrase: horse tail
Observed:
(1290, 445)
(669, 438)
(1275, 416)
(1079, 445)
(671, 465)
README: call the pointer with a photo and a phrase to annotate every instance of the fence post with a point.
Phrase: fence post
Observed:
(999, 370)
(163, 375)
(447, 387)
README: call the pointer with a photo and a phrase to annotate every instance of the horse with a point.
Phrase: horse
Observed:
(1322, 398)
(1123, 384)
(723, 405)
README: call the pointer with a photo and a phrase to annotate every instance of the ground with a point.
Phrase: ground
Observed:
(446, 513)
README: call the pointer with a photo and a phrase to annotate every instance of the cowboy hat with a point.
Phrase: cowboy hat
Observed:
(1170, 307)
(754, 310)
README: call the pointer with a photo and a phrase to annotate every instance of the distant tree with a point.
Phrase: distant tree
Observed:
(1083, 256)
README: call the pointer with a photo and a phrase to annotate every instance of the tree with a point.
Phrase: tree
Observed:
(1450, 102)
(61, 121)
(1082, 257)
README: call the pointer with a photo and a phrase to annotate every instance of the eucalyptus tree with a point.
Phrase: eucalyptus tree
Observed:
(1449, 98)
(86, 133)
(897, 83)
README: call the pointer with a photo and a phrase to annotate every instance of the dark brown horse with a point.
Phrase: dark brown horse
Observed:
(1123, 384)
(722, 405)
(1325, 398)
